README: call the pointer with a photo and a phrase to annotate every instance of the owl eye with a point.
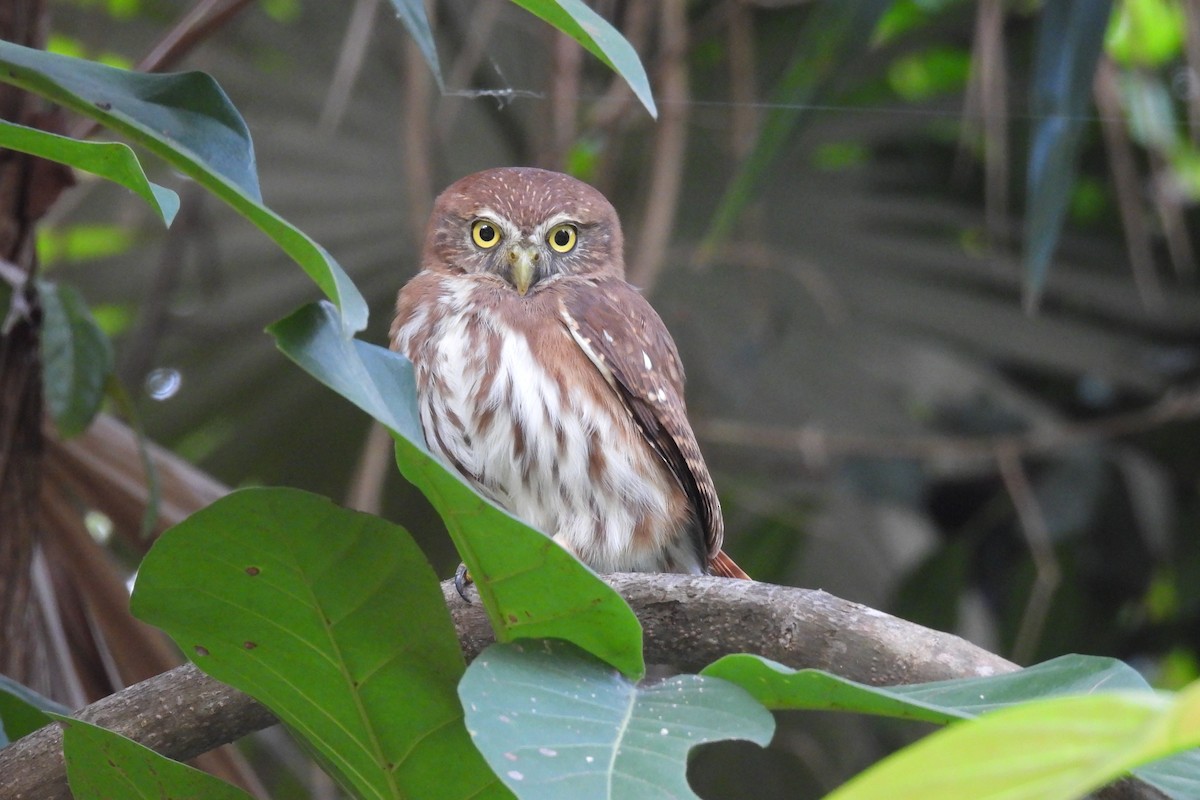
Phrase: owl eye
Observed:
(485, 233)
(562, 238)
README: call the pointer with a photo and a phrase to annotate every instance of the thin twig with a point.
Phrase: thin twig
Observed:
(564, 101)
(993, 97)
(375, 463)
(1168, 198)
(349, 64)
(416, 144)
(1037, 537)
(1125, 182)
(815, 444)
(483, 18)
(670, 147)
(743, 82)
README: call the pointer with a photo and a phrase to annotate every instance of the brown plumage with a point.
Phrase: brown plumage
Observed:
(549, 382)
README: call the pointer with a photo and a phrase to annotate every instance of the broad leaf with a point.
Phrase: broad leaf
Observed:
(1070, 38)
(332, 619)
(1042, 750)
(530, 586)
(186, 120)
(23, 711)
(836, 33)
(110, 160)
(77, 358)
(412, 15)
(781, 688)
(102, 765)
(602, 40)
(554, 722)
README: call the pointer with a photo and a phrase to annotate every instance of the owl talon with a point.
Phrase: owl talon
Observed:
(462, 579)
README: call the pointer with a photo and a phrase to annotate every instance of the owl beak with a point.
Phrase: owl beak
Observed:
(522, 261)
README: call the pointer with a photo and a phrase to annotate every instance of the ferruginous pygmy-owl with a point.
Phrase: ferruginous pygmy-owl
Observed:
(549, 382)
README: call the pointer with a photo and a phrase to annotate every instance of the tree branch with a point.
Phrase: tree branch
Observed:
(688, 622)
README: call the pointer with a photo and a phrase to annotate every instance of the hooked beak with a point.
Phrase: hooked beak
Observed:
(522, 260)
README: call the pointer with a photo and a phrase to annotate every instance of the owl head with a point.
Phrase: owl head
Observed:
(528, 227)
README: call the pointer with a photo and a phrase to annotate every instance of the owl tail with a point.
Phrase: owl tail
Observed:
(722, 565)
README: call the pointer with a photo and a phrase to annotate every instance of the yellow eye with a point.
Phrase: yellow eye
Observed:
(485, 233)
(562, 238)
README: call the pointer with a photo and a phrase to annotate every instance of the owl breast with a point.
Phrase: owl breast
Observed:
(519, 411)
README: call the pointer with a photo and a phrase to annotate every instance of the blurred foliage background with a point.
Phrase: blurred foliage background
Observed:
(912, 392)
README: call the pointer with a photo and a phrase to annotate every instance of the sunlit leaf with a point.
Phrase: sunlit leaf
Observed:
(102, 765)
(110, 160)
(601, 39)
(77, 358)
(1062, 747)
(185, 119)
(1146, 33)
(1070, 38)
(334, 620)
(530, 586)
(553, 722)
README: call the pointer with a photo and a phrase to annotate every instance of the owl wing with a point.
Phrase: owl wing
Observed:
(629, 344)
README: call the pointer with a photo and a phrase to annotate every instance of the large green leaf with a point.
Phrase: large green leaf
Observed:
(779, 687)
(1052, 749)
(332, 619)
(187, 120)
(102, 765)
(1070, 39)
(554, 722)
(530, 586)
(23, 711)
(77, 358)
(836, 33)
(602, 40)
(110, 160)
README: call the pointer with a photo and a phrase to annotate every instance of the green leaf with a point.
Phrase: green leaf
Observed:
(530, 586)
(111, 160)
(1146, 33)
(102, 765)
(332, 619)
(23, 711)
(836, 33)
(77, 358)
(778, 687)
(1062, 747)
(1070, 39)
(412, 15)
(554, 722)
(187, 120)
(602, 40)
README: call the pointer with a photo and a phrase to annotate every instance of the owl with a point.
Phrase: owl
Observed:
(549, 383)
